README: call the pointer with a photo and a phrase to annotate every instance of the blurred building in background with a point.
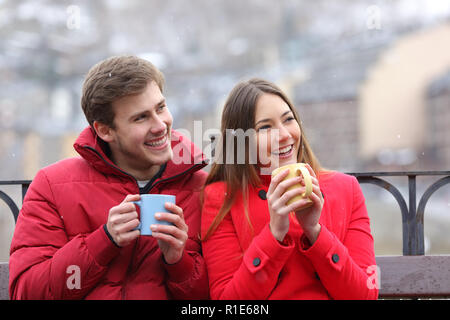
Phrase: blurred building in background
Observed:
(370, 79)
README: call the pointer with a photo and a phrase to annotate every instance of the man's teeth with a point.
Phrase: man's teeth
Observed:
(284, 150)
(157, 143)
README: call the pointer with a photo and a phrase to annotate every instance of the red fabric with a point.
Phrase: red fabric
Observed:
(61, 226)
(292, 269)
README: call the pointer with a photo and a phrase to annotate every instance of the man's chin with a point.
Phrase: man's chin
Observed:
(163, 158)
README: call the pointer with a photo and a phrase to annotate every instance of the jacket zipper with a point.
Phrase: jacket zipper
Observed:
(134, 179)
(112, 166)
(174, 177)
(151, 187)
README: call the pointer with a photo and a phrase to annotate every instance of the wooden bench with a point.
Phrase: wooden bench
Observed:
(4, 280)
(409, 277)
(414, 276)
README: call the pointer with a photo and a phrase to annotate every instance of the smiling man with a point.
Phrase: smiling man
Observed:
(76, 235)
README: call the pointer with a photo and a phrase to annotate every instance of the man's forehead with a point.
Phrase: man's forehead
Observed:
(151, 97)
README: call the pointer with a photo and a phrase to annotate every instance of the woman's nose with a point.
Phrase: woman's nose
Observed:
(283, 133)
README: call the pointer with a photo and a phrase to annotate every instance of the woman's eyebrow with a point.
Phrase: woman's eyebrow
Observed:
(267, 120)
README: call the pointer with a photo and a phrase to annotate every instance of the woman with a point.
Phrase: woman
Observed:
(257, 247)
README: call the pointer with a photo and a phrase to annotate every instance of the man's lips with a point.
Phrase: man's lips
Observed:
(158, 143)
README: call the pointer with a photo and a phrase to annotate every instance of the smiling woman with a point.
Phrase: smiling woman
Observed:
(258, 245)
(269, 114)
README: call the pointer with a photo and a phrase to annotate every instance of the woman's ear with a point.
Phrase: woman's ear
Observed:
(104, 131)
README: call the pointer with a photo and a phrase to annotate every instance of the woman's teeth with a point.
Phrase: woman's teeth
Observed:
(283, 150)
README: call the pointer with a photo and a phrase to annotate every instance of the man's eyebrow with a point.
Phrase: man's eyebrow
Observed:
(267, 120)
(158, 104)
(163, 101)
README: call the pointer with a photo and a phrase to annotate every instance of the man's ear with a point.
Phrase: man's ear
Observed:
(104, 131)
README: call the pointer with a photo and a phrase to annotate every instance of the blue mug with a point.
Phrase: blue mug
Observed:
(149, 205)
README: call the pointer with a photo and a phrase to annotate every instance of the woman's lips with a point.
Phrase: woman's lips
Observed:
(285, 152)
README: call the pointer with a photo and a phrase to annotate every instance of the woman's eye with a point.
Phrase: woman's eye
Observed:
(264, 127)
(289, 119)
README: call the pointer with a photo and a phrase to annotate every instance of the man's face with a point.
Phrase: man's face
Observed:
(140, 141)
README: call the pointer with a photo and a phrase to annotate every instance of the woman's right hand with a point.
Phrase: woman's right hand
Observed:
(276, 200)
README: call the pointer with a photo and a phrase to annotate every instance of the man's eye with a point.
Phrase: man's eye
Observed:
(139, 118)
(161, 107)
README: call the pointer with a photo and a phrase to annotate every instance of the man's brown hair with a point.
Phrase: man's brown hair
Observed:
(114, 78)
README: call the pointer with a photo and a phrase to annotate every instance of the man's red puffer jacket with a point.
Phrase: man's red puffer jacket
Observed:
(59, 233)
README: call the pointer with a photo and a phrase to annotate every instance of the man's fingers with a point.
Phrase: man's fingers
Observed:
(124, 216)
(127, 226)
(169, 239)
(174, 209)
(125, 238)
(175, 219)
(132, 197)
(124, 207)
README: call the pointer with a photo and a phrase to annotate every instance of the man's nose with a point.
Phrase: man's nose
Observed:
(158, 125)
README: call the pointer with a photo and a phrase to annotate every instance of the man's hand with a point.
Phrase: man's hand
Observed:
(171, 239)
(122, 220)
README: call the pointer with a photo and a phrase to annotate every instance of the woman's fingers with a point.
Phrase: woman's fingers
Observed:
(276, 180)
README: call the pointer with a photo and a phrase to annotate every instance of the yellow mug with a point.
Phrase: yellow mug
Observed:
(296, 170)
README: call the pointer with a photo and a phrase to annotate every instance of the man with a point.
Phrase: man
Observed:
(76, 235)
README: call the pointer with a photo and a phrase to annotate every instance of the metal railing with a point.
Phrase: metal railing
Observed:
(8, 200)
(412, 214)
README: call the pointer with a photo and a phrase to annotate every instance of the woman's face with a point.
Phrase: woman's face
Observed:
(277, 132)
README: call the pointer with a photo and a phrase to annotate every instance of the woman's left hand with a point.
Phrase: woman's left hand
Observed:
(309, 217)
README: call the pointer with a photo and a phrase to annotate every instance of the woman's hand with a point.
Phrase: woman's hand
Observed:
(277, 196)
(309, 217)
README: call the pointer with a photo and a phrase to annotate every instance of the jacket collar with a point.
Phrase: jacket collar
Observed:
(186, 156)
(265, 179)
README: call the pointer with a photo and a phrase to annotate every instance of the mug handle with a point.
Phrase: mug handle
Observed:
(139, 203)
(308, 181)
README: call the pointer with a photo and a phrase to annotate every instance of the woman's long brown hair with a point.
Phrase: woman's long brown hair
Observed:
(239, 113)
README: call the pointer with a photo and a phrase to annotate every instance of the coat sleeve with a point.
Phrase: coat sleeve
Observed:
(43, 263)
(233, 273)
(347, 269)
(188, 279)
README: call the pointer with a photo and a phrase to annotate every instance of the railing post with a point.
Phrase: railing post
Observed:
(24, 190)
(413, 237)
